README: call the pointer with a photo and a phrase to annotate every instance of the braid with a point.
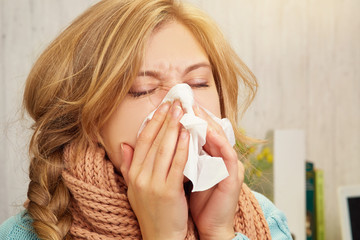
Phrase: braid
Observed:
(49, 198)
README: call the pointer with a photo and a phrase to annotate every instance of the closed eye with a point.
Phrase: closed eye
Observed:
(199, 85)
(141, 93)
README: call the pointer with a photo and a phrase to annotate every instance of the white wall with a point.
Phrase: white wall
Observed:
(305, 54)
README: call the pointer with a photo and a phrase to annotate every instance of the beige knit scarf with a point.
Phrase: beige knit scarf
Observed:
(101, 210)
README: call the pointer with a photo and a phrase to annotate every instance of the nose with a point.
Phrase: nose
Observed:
(161, 92)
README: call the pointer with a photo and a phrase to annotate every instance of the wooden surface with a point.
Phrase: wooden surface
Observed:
(305, 54)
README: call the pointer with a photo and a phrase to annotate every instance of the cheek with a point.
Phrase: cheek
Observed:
(122, 127)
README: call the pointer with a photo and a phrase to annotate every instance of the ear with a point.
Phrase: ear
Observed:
(127, 153)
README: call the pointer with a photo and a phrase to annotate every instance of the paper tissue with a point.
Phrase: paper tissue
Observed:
(203, 170)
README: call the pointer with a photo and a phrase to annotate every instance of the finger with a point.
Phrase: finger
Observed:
(146, 170)
(126, 158)
(147, 136)
(223, 149)
(167, 138)
(210, 147)
(175, 176)
(212, 124)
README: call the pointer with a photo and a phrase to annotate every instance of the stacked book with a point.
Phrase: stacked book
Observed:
(315, 222)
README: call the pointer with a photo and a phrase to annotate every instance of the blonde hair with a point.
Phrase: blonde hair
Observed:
(82, 76)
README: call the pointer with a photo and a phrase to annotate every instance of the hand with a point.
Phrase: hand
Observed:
(154, 175)
(213, 210)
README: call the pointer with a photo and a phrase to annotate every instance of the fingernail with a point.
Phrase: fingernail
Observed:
(164, 108)
(212, 131)
(198, 110)
(197, 107)
(176, 111)
(122, 148)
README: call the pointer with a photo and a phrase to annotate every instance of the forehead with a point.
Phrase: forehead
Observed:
(173, 46)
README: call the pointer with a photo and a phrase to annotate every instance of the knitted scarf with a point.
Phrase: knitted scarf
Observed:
(101, 210)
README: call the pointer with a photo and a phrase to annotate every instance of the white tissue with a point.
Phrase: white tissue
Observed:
(203, 170)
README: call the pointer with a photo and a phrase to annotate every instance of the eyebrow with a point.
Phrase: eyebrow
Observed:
(196, 66)
(156, 74)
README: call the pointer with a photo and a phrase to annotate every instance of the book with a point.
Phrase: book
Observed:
(319, 204)
(310, 202)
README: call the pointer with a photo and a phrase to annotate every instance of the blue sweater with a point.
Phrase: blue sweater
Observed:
(19, 227)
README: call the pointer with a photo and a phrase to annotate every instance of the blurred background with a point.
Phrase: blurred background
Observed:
(305, 55)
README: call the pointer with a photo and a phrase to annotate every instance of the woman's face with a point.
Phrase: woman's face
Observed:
(172, 56)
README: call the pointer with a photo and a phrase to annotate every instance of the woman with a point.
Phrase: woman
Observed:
(91, 175)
